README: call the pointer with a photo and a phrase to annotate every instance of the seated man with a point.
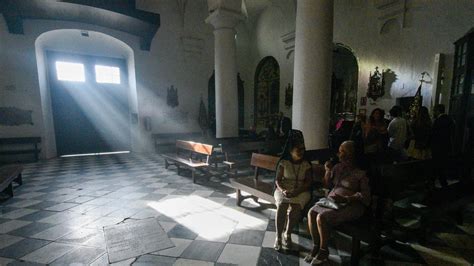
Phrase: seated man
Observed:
(348, 185)
(293, 181)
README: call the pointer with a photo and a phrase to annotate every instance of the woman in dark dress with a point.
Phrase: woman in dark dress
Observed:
(420, 145)
(375, 135)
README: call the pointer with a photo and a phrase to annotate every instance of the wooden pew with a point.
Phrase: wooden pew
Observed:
(165, 142)
(320, 155)
(16, 146)
(236, 155)
(185, 156)
(394, 182)
(264, 190)
(8, 175)
(252, 184)
(405, 181)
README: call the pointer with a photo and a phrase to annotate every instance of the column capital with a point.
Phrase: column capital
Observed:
(224, 19)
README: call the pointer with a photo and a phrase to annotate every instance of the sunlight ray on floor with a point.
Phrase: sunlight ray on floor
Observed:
(210, 220)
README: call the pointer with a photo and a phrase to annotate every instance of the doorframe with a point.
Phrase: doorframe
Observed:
(89, 63)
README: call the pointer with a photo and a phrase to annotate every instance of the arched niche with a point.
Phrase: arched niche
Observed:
(344, 80)
(95, 44)
(267, 91)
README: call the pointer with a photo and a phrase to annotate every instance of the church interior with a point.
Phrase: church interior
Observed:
(236, 132)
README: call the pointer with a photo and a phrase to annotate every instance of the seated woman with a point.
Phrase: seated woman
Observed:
(348, 185)
(293, 182)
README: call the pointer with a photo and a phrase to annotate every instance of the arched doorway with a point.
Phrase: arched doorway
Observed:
(89, 113)
(344, 81)
(211, 101)
(267, 91)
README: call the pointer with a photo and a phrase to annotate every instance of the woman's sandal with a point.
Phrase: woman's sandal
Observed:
(277, 245)
(288, 243)
(321, 258)
(313, 253)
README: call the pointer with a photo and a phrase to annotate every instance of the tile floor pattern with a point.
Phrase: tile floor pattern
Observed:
(57, 217)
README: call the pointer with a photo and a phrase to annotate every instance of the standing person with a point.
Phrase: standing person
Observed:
(293, 183)
(357, 135)
(398, 133)
(420, 145)
(283, 126)
(375, 150)
(375, 135)
(442, 140)
(348, 185)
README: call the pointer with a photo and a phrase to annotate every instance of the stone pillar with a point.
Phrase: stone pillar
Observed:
(313, 71)
(227, 113)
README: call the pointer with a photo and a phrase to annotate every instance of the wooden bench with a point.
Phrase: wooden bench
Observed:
(405, 181)
(236, 154)
(252, 185)
(164, 142)
(186, 156)
(16, 146)
(8, 175)
(440, 203)
(392, 181)
(320, 156)
(432, 203)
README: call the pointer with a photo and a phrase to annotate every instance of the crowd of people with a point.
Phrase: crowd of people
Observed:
(375, 140)
(398, 139)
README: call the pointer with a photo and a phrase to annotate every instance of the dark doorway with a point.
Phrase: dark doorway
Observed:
(89, 99)
(211, 101)
(267, 91)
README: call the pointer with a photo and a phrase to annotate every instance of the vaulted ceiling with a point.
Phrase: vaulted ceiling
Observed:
(119, 15)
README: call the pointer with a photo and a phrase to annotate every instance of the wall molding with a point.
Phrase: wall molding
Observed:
(390, 11)
(288, 40)
(192, 47)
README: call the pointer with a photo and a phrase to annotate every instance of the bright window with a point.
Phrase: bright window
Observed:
(107, 74)
(70, 71)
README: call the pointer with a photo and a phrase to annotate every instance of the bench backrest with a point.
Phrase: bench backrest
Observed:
(166, 137)
(321, 155)
(264, 161)
(230, 148)
(26, 140)
(398, 177)
(252, 146)
(194, 147)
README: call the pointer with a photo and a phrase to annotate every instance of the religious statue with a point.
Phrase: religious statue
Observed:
(202, 117)
(172, 97)
(416, 104)
(376, 84)
(289, 96)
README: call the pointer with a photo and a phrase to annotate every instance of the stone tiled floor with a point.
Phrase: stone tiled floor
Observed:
(57, 217)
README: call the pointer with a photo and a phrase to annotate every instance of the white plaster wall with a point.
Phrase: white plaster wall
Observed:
(19, 81)
(431, 27)
(165, 65)
(266, 30)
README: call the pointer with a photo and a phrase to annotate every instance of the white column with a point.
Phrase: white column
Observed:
(227, 113)
(313, 71)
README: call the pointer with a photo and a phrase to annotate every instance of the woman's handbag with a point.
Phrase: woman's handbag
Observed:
(330, 204)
